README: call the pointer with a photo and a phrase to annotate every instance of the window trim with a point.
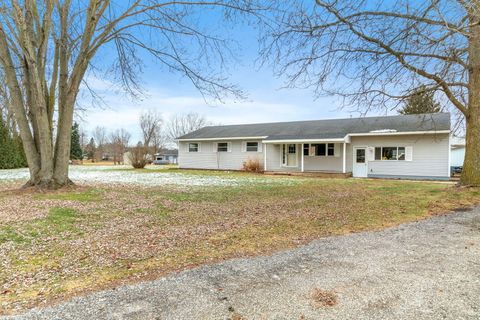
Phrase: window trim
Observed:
(381, 153)
(246, 146)
(198, 147)
(229, 147)
(327, 144)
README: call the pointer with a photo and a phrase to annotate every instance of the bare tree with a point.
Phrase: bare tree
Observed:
(151, 124)
(48, 46)
(375, 53)
(119, 140)
(100, 137)
(181, 124)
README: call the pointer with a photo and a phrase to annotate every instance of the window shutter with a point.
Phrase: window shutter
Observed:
(409, 153)
(229, 147)
(244, 146)
(260, 145)
(215, 146)
(336, 150)
(370, 153)
(311, 151)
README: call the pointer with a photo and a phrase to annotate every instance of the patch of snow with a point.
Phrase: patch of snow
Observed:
(121, 176)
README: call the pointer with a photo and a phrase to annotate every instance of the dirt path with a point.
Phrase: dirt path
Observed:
(424, 270)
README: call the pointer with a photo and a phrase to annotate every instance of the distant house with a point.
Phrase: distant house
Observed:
(402, 146)
(457, 151)
(166, 157)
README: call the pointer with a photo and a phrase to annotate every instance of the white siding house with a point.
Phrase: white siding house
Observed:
(404, 146)
(457, 151)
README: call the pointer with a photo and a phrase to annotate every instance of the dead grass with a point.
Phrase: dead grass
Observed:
(323, 298)
(56, 245)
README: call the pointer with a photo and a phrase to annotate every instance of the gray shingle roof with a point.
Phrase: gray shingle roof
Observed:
(325, 129)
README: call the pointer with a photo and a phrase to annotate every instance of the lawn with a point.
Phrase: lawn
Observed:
(121, 226)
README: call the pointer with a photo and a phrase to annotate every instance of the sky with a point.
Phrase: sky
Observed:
(169, 94)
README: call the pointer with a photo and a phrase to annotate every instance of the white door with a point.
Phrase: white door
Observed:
(360, 166)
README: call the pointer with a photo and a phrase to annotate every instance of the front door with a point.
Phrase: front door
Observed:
(289, 155)
(360, 166)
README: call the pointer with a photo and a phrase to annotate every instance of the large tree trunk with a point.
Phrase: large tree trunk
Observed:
(471, 165)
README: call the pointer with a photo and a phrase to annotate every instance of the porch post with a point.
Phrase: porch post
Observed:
(303, 156)
(264, 157)
(344, 167)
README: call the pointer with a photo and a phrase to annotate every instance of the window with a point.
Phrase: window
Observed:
(252, 146)
(222, 147)
(292, 148)
(306, 149)
(390, 153)
(193, 147)
(330, 149)
(324, 149)
(360, 156)
(321, 150)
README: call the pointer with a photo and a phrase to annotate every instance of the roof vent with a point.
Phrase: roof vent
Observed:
(383, 131)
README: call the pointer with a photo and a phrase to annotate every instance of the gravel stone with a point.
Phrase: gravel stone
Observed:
(424, 270)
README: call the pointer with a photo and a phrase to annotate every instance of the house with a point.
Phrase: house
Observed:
(402, 146)
(166, 157)
(457, 151)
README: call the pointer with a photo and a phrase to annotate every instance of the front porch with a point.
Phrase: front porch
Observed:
(312, 158)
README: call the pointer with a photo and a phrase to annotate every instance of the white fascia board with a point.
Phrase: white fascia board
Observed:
(227, 138)
(304, 140)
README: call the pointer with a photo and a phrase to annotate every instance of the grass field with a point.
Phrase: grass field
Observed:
(101, 234)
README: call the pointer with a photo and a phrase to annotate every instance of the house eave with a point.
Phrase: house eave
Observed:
(344, 139)
(302, 140)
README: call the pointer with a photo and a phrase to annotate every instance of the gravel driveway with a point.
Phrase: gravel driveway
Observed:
(424, 270)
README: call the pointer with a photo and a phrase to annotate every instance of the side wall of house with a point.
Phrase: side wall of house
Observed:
(208, 158)
(430, 156)
(457, 156)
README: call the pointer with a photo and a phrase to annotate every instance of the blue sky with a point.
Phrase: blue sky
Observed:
(169, 93)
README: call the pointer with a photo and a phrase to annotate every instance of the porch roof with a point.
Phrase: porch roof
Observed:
(326, 137)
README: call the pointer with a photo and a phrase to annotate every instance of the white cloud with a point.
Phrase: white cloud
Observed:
(122, 112)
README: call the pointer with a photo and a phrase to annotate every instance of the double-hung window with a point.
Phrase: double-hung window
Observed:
(251, 147)
(193, 147)
(222, 147)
